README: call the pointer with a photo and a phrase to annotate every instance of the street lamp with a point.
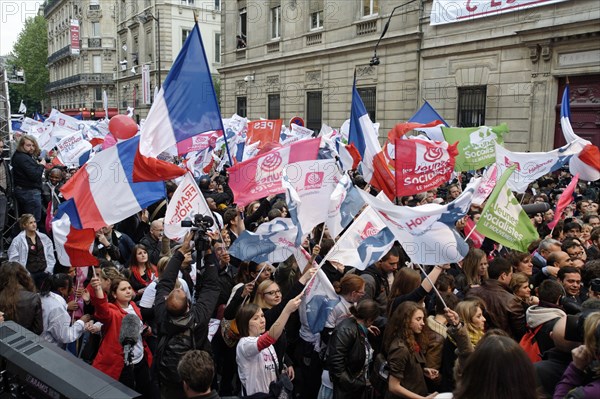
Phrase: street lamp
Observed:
(143, 18)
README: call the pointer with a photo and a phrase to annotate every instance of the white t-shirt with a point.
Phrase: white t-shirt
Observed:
(149, 294)
(256, 369)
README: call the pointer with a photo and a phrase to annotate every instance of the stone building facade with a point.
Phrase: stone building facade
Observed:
(286, 58)
(78, 77)
(121, 40)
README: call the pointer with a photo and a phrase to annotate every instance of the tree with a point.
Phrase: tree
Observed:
(31, 54)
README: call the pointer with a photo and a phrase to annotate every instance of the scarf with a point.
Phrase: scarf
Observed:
(149, 273)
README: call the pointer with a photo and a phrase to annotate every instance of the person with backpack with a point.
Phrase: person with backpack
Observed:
(379, 278)
(541, 319)
(181, 325)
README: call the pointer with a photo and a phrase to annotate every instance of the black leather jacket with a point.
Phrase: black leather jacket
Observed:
(346, 357)
(174, 332)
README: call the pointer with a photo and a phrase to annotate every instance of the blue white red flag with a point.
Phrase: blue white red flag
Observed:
(117, 183)
(73, 246)
(186, 104)
(363, 135)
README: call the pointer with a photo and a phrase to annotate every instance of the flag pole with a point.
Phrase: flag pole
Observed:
(432, 284)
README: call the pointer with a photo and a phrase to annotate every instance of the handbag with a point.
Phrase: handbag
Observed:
(229, 332)
(282, 387)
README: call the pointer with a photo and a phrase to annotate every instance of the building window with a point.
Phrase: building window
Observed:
(96, 32)
(370, 7)
(316, 20)
(242, 38)
(94, 4)
(275, 21)
(217, 48)
(241, 108)
(187, 2)
(184, 35)
(217, 5)
(314, 110)
(369, 99)
(97, 63)
(471, 106)
(274, 110)
(97, 94)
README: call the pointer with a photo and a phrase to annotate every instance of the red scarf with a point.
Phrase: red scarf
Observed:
(150, 273)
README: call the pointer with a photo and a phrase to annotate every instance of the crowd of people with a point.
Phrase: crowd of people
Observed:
(498, 324)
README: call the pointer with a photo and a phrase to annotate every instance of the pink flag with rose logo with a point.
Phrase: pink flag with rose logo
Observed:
(422, 165)
(260, 176)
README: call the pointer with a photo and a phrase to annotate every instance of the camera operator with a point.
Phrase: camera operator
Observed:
(181, 325)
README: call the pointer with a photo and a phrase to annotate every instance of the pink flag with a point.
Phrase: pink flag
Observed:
(488, 182)
(423, 165)
(260, 176)
(565, 199)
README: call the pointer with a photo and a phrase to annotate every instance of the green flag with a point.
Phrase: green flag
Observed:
(476, 145)
(504, 220)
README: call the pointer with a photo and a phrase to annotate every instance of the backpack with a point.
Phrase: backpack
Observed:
(380, 374)
(375, 276)
(530, 345)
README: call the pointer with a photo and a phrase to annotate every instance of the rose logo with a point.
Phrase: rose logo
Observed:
(433, 154)
(271, 162)
(369, 231)
(313, 178)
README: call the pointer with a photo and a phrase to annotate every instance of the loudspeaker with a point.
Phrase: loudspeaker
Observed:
(33, 368)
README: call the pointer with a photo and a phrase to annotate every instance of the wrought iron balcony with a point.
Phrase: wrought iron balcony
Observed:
(59, 55)
(83, 79)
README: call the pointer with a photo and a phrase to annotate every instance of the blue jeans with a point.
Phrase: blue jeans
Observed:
(30, 201)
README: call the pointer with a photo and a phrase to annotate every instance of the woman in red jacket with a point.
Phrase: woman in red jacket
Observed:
(110, 357)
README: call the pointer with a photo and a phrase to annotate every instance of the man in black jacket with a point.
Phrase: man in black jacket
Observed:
(27, 177)
(181, 325)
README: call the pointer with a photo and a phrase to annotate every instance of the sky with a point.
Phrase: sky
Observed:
(13, 14)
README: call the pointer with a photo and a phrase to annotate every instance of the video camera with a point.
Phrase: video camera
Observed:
(200, 226)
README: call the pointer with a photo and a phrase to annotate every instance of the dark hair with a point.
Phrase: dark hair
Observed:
(595, 234)
(196, 368)
(550, 291)
(570, 243)
(366, 310)
(567, 269)
(52, 283)
(445, 282)
(492, 370)
(229, 215)
(243, 317)
(274, 213)
(590, 271)
(572, 225)
(13, 278)
(133, 258)
(406, 281)
(516, 257)
(497, 267)
(392, 252)
(114, 285)
(449, 298)
(399, 327)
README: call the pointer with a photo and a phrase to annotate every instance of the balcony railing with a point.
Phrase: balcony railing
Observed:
(81, 79)
(94, 42)
(366, 27)
(272, 47)
(60, 54)
(314, 38)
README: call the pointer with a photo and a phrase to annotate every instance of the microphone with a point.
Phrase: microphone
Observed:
(532, 209)
(129, 335)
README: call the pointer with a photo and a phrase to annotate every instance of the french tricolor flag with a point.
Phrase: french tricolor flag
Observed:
(186, 104)
(73, 246)
(117, 183)
(586, 163)
(363, 134)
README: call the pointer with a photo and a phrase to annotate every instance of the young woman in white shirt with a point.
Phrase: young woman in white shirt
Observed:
(257, 361)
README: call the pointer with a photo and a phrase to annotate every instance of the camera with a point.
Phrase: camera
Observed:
(200, 226)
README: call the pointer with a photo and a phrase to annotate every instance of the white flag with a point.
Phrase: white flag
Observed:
(187, 201)
(22, 108)
(309, 185)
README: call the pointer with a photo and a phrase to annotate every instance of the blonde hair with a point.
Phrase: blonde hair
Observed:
(259, 299)
(517, 280)
(32, 139)
(590, 326)
(466, 311)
